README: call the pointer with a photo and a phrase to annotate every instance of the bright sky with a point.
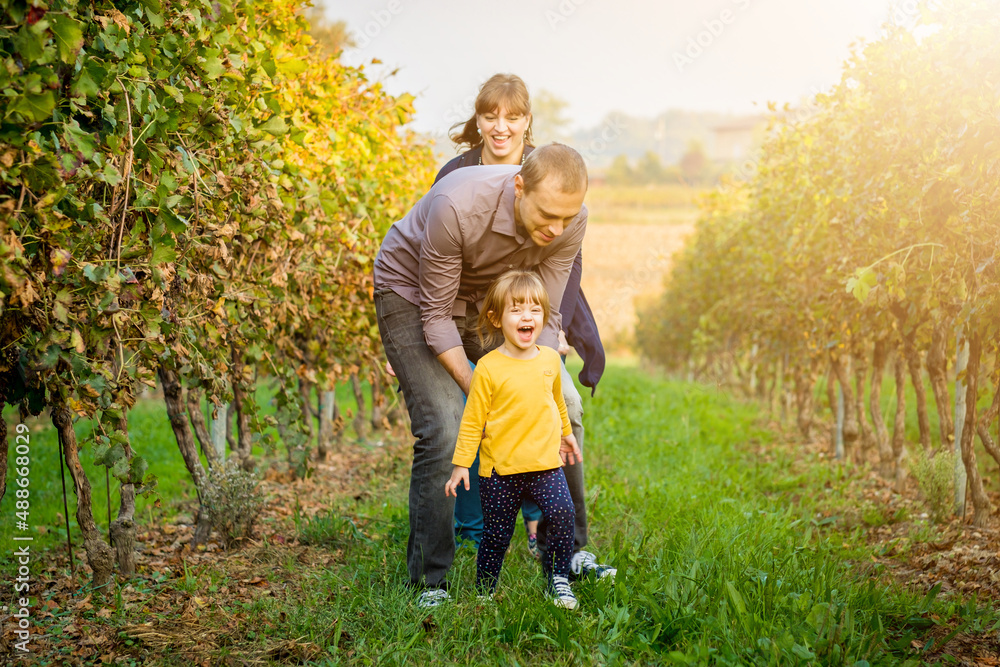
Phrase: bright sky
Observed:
(640, 57)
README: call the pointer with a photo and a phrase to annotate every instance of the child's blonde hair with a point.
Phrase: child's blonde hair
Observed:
(518, 286)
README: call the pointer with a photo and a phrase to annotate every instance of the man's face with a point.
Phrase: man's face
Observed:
(546, 211)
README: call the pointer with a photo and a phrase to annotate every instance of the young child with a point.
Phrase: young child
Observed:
(516, 417)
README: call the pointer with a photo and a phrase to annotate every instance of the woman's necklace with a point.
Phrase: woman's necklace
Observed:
(523, 155)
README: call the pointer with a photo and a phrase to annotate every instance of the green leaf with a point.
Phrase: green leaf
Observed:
(162, 254)
(110, 175)
(114, 454)
(292, 67)
(138, 470)
(803, 652)
(82, 140)
(737, 600)
(120, 468)
(68, 35)
(85, 86)
(30, 44)
(60, 312)
(95, 273)
(928, 601)
(274, 125)
(173, 222)
(36, 107)
(861, 283)
(100, 451)
(214, 68)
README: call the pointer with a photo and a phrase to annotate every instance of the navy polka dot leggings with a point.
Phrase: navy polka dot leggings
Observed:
(501, 496)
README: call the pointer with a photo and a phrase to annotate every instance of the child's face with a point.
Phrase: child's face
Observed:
(521, 323)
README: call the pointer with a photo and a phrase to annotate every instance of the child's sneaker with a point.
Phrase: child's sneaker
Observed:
(533, 546)
(562, 594)
(585, 563)
(433, 597)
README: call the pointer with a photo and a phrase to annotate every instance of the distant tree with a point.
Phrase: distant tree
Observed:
(331, 36)
(620, 172)
(548, 120)
(694, 163)
(649, 170)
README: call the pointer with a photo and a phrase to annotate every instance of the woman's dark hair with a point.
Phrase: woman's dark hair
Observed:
(500, 90)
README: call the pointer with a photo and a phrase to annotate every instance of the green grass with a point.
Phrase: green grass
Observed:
(151, 437)
(723, 559)
(715, 564)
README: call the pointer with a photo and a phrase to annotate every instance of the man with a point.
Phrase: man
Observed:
(430, 274)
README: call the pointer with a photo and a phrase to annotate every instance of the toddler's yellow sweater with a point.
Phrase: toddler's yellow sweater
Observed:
(515, 415)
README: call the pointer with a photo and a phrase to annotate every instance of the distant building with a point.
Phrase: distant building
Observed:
(734, 141)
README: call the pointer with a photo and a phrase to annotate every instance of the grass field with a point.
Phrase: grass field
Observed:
(151, 437)
(723, 557)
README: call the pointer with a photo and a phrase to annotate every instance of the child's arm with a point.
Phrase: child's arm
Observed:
(459, 474)
(470, 431)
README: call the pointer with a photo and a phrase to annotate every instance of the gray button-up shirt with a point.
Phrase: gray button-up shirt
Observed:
(460, 236)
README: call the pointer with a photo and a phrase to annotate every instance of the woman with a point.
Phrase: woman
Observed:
(499, 132)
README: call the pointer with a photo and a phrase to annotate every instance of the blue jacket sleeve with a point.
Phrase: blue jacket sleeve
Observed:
(568, 306)
(581, 328)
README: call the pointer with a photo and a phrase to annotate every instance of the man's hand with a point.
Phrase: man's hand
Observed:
(563, 345)
(460, 474)
(569, 451)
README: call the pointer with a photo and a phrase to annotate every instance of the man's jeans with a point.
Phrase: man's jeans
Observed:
(434, 401)
(435, 404)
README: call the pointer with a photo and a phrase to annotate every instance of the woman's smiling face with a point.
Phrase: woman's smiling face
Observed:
(503, 135)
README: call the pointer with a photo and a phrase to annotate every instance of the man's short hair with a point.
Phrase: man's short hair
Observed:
(558, 160)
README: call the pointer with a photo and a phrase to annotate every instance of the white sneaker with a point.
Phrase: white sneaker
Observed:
(585, 563)
(562, 594)
(433, 597)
